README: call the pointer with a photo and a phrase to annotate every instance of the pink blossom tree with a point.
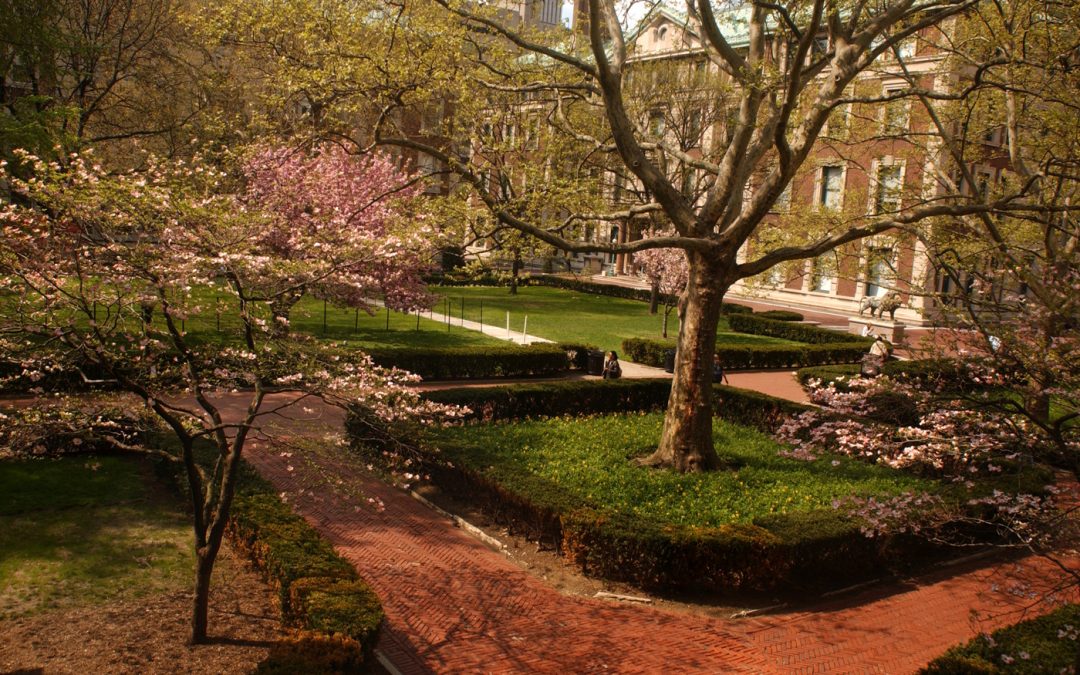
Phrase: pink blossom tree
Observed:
(668, 272)
(83, 252)
(339, 226)
(942, 427)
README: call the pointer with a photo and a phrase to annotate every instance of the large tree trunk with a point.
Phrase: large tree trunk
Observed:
(654, 298)
(686, 443)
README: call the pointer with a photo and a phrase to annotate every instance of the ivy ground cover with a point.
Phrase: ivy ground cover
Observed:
(585, 462)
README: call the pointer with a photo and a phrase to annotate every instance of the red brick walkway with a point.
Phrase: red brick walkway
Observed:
(455, 606)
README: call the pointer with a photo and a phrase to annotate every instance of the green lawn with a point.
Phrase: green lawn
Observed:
(586, 460)
(569, 316)
(553, 313)
(84, 530)
(342, 323)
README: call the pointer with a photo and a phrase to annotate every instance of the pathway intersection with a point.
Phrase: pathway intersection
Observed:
(454, 605)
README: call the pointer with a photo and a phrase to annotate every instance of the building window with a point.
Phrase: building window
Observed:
(656, 123)
(879, 271)
(896, 114)
(887, 188)
(836, 124)
(831, 187)
(432, 118)
(430, 166)
(618, 190)
(821, 277)
(906, 49)
(783, 202)
(661, 33)
(693, 129)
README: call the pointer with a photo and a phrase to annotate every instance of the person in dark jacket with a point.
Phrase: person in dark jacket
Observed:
(718, 374)
(612, 369)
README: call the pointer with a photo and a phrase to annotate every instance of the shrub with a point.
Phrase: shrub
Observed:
(949, 374)
(827, 374)
(314, 654)
(780, 315)
(651, 353)
(591, 397)
(577, 355)
(345, 607)
(685, 549)
(746, 323)
(452, 363)
(320, 592)
(1048, 642)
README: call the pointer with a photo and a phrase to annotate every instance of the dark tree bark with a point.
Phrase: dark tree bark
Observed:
(654, 301)
(280, 308)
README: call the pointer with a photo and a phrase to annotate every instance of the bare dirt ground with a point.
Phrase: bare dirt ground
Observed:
(149, 634)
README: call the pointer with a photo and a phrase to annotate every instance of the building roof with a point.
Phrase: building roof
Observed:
(733, 22)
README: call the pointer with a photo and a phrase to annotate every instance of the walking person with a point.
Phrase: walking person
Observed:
(718, 374)
(612, 369)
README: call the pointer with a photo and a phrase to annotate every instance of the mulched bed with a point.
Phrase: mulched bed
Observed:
(149, 634)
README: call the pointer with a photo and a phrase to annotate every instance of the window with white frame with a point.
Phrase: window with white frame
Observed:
(906, 49)
(656, 123)
(836, 124)
(887, 187)
(783, 202)
(822, 278)
(896, 113)
(429, 166)
(831, 187)
(693, 129)
(880, 273)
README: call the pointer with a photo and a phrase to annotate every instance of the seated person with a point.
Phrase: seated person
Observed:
(612, 369)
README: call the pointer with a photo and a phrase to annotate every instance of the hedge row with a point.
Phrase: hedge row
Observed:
(454, 363)
(652, 353)
(596, 397)
(580, 285)
(1047, 644)
(950, 374)
(780, 315)
(616, 291)
(808, 549)
(787, 330)
(338, 615)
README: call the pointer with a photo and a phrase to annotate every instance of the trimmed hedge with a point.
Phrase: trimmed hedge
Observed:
(580, 285)
(745, 323)
(651, 353)
(949, 373)
(1047, 644)
(820, 346)
(455, 363)
(805, 550)
(313, 653)
(780, 315)
(338, 614)
(593, 397)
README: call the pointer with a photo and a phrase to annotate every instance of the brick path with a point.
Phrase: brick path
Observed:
(454, 605)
